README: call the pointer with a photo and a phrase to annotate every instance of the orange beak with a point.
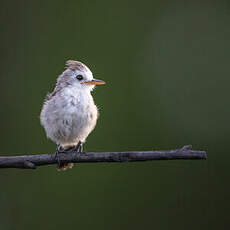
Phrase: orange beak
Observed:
(94, 82)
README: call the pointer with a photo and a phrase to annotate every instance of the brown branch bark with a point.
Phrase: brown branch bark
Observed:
(31, 161)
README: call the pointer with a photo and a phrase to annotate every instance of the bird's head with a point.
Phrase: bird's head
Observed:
(79, 76)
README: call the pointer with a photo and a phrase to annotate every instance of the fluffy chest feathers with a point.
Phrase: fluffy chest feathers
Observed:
(69, 116)
(77, 103)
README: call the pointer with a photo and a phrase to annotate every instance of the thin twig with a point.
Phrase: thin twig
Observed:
(31, 161)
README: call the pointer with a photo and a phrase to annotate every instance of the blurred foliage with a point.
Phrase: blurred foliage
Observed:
(166, 65)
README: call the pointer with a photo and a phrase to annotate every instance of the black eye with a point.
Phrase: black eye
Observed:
(79, 77)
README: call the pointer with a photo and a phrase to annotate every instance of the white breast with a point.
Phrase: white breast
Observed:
(69, 116)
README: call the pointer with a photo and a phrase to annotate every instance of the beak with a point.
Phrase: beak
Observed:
(94, 82)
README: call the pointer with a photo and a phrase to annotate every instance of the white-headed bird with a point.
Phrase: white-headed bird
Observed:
(69, 113)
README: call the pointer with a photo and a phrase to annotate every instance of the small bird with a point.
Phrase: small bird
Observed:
(69, 114)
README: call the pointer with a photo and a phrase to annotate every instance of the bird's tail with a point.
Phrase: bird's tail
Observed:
(64, 166)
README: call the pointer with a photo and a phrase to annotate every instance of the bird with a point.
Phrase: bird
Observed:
(69, 113)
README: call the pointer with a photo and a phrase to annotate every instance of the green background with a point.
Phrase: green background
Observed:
(166, 65)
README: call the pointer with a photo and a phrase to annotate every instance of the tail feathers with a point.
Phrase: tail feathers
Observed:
(64, 166)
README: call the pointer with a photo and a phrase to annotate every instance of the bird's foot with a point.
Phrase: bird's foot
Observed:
(61, 166)
(60, 149)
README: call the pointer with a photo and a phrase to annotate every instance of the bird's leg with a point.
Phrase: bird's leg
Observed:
(57, 156)
(79, 147)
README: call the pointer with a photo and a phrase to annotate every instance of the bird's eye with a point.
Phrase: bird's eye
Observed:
(79, 77)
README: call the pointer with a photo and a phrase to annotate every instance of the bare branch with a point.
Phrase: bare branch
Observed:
(31, 161)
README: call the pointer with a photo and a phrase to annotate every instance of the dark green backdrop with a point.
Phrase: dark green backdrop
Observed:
(166, 65)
